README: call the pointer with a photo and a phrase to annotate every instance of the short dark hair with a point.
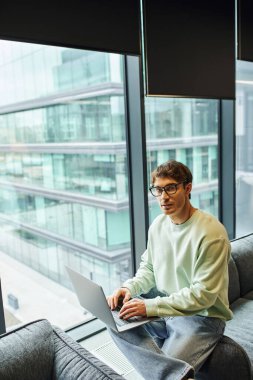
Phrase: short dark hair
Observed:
(174, 169)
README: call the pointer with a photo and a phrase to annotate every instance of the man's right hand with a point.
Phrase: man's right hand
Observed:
(121, 293)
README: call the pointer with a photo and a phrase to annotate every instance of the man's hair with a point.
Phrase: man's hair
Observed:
(173, 169)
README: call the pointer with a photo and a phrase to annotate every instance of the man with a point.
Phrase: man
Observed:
(187, 261)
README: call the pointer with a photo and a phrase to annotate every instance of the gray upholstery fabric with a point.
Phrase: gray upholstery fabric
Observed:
(27, 352)
(242, 251)
(73, 362)
(36, 351)
(234, 284)
(240, 328)
(249, 295)
(228, 361)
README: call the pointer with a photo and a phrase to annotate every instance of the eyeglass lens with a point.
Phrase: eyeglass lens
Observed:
(169, 189)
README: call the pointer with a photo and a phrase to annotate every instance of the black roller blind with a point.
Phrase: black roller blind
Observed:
(190, 48)
(245, 30)
(106, 25)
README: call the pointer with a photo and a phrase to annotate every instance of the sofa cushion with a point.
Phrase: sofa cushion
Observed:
(240, 328)
(234, 284)
(72, 361)
(242, 253)
(27, 352)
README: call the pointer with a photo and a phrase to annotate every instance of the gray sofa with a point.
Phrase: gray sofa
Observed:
(38, 351)
(232, 358)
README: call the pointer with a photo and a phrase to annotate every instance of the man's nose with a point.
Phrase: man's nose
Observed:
(164, 194)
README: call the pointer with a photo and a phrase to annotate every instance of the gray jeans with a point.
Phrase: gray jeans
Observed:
(171, 348)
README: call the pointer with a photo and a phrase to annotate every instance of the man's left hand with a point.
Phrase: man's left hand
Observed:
(133, 308)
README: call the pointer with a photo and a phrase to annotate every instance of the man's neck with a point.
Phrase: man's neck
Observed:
(180, 219)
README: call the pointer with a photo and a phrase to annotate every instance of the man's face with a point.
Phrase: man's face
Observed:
(173, 204)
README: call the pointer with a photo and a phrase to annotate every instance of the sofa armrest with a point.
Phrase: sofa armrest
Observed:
(227, 361)
(72, 361)
(27, 352)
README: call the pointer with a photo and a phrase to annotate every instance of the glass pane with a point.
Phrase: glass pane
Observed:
(185, 130)
(63, 178)
(244, 147)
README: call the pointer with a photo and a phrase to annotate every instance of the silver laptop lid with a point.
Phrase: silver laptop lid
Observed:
(91, 296)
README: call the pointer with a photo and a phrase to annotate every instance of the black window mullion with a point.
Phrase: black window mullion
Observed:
(136, 151)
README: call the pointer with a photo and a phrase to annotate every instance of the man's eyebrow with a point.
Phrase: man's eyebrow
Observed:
(168, 184)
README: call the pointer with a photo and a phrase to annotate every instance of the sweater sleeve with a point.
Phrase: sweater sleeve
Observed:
(208, 281)
(144, 279)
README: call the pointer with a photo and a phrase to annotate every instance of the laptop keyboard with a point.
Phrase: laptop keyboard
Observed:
(119, 321)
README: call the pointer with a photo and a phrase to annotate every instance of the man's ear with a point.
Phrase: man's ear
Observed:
(188, 188)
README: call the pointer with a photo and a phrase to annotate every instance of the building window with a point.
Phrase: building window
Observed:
(185, 130)
(63, 177)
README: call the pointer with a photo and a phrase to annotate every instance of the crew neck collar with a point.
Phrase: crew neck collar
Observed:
(186, 223)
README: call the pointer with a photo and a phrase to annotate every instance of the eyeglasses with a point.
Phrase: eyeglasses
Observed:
(170, 189)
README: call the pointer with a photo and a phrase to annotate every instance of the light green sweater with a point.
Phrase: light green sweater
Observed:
(187, 262)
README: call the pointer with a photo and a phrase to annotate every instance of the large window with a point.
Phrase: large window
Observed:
(63, 178)
(244, 147)
(185, 130)
(64, 192)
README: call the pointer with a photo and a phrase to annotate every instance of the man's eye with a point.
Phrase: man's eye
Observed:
(170, 188)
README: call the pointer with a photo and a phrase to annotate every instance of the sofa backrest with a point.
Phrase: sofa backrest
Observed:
(234, 283)
(27, 352)
(242, 254)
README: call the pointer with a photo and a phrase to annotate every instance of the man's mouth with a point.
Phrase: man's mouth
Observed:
(165, 205)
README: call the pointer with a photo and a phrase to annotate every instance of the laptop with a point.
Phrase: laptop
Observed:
(91, 297)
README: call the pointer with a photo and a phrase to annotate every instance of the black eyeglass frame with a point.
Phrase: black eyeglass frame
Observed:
(163, 188)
